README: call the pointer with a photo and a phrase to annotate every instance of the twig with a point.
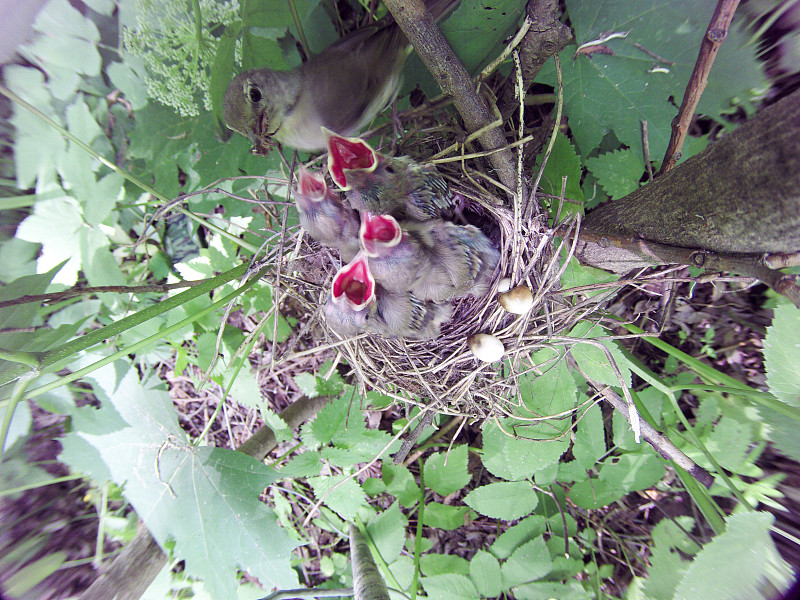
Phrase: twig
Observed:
(452, 77)
(715, 34)
(100, 289)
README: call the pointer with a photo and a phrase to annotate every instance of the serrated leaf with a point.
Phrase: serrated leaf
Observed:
(594, 361)
(517, 458)
(400, 483)
(590, 441)
(547, 590)
(336, 419)
(346, 500)
(307, 384)
(618, 172)
(446, 472)
(432, 564)
(551, 393)
(529, 562)
(737, 574)
(444, 516)
(518, 534)
(782, 432)
(563, 162)
(387, 531)
(179, 489)
(484, 570)
(782, 354)
(306, 464)
(577, 275)
(729, 442)
(449, 587)
(507, 500)
(665, 572)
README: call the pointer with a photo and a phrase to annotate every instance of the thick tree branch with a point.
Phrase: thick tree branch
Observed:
(135, 568)
(715, 34)
(452, 77)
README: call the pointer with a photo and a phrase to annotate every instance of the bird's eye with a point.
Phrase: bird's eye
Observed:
(389, 170)
(254, 94)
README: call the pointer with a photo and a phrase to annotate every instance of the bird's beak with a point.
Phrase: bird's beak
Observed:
(347, 153)
(354, 284)
(378, 229)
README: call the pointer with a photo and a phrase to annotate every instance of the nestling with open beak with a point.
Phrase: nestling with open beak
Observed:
(342, 88)
(386, 185)
(357, 305)
(435, 260)
(325, 215)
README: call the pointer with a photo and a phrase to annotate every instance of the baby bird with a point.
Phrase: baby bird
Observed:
(324, 216)
(386, 185)
(435, 260)
(357, 305)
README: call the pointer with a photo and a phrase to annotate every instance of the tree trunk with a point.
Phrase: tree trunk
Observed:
(739, 196)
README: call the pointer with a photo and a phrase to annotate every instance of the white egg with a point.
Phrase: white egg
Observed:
(503, 285)
(517, 301)
(486, 347)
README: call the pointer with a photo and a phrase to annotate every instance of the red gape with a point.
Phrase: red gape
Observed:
(310, 184)
(379, 228)
(347, 153)
(355, 282)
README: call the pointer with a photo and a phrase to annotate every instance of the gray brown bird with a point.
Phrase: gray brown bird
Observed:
(434, 260)
(343, 88)
(324, 214)
(386, 185)
(358, 305)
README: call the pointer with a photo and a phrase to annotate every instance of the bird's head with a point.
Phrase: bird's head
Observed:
(378, 232)
(249, 108)
(309, 188)
(348, 154)
(353, 284)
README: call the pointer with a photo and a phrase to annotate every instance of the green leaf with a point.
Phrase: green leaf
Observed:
(782, 432)
(736, 574)
(400, 483)
(551, 393)
(782, 354)
(577, 275)
(346, 500)
(484, 570)
(387, 531)
(590, 441)
(514, 459)
(438, 564)
(563, 162)
(547, 590)
(529, 562)
(179, 489)
(446, 472)
(629, 473)
(22, 315)
(444, 516)
(729, 443)
(306, 464)
(513, 537)
(618, 172)
(449, 587)
(507, 500)
(338, 418)
(594, 361)
(222, 68)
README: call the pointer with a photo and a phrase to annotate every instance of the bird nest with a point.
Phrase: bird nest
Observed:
(442, 373)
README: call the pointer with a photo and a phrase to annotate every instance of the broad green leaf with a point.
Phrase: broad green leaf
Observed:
(346, 500)
(782, 432)
(387, 531)
(179, 489)
(514, 459)
(306, 464)
(552, 393)
(665, 572)
(246, 391)
(594, 361)
(618, 171)
(18, 428)
(336, 419)
(577, 275)
(222, 69)
(737, 574)
(449, 587)
(518, 534)
(782, 354)
(446, 472)
(629, 473)
(547, 590)
(22, 315)
(529, 562)
(729, 443)
(400, 483)
(438, 564)
(484, 570)
(590, 441)
(307, 384)
(444, 516)
(507, 500)
(563, 162)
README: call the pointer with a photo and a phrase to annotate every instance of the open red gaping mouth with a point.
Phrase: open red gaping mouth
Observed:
(383, 229)
(348, 153)
(355, 283)
(310, 184)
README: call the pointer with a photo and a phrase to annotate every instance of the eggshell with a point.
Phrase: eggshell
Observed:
(503, 285)
(517, 301)
(486, 347)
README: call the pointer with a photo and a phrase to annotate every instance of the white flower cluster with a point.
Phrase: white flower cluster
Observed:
(178, 48)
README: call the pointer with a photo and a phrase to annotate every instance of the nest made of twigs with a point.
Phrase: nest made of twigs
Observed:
(443, 372)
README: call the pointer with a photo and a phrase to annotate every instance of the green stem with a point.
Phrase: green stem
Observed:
(198, 29)
(12, 202)
(701, 497)
(299, 26)
(30, 359)
(66, 351)
(16, 397)
(418, 535)
(148, 340)
(33, 486)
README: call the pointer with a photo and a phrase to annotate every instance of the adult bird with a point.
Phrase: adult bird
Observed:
(358, 305)
(325, 215)
(343, 88)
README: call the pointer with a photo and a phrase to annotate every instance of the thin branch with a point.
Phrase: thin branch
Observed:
(715, 34)
(100, 289)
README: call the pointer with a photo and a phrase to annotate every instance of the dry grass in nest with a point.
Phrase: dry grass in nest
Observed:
(442, 373)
